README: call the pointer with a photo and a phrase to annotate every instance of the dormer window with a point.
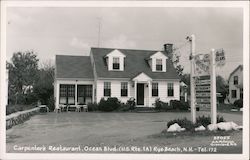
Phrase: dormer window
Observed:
(115, 60)
(116, 63)
(158, 64)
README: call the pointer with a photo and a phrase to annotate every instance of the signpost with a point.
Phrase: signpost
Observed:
(203, 90)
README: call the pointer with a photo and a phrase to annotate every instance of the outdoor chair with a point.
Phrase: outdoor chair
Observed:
(78, 108)
(85, 108)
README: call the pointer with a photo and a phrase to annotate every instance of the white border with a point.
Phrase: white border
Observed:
(241, 4)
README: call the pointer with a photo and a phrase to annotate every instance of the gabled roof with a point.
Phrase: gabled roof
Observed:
(73, 67)
(135, 63)
(239, 67)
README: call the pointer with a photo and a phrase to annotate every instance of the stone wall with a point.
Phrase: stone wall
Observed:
(19, 117)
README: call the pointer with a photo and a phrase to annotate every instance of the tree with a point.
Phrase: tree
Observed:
(44, 88)
(23, 70)
(172, 54)
(221, 86)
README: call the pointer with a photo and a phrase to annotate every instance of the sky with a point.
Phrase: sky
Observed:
(50, 31)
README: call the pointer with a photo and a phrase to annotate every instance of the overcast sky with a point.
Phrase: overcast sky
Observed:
(72, 31)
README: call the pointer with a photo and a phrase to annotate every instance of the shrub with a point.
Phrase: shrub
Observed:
(108, 105)
(92, 107)
(159, 105)
(184, 123)
(51, 103)
(206, 120)
(123, 107)
(131, 103)
(238, 103)
(201, 120)
(178, 105)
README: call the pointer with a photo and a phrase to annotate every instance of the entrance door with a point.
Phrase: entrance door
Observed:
(140, 94)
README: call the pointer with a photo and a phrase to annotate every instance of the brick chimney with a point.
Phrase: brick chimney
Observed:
(168, 48)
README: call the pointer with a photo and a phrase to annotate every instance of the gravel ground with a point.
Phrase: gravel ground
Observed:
(137, 131)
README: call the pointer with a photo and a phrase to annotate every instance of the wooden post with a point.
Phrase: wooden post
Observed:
(192, 82)
(213, 88)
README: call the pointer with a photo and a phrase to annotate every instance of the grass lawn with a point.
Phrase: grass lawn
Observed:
(113, 129)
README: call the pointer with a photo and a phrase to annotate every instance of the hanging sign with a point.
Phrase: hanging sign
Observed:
(201, 65)
(202, 82)
(202, 94)
(220, 57)
(203, 100)
(202, 88)
(204, 107)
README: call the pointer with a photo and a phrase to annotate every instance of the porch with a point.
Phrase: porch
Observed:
(73, 96)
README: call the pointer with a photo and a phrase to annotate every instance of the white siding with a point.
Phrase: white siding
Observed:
(115, 89)
(234, 87)
(163, 91)
(148, 101)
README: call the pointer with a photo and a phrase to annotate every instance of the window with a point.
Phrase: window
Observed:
(235, 80)
(158, 64)
(241, 93)
(107, 89)
(124, 89)
(170, 89)
(154, 89)
(84, 94)
(67, 94)
(116, 63)
(234, 93)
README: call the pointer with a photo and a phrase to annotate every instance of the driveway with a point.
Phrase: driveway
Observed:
(105, 129)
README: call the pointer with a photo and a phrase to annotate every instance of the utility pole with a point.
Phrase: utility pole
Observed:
(192, 82)
(213, 88)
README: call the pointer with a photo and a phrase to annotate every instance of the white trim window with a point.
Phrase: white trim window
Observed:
(158, 64)
(155, 89)
(236, 79)
(124, 89)
(107, 89)
(170, 89)
(116, 63)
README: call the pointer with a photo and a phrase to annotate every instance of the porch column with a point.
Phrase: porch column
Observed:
(135, 92)
(149, 93)
(57, 95)
(76, 93)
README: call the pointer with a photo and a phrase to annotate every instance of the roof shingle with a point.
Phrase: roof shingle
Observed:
(73, 67)
(135, 63)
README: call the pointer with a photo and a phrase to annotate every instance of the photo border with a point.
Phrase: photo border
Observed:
(186, 4)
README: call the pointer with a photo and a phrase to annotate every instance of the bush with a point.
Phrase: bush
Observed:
(178, 105)
(184, 123)
(16, 108)
(108, 105)
(201, 120)
(51, 103)
(238, 103)
(131, 103)
(123, 107)
(159, 105)
(92, 107)
(206, 120)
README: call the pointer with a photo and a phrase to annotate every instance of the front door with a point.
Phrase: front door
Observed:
(140, 94)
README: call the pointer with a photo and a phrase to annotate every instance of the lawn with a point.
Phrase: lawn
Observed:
(111, 129)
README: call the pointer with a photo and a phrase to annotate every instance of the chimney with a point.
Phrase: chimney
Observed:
(168, 48)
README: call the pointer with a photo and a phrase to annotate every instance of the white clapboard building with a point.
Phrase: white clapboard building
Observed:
(235, 82)
(123, 73)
